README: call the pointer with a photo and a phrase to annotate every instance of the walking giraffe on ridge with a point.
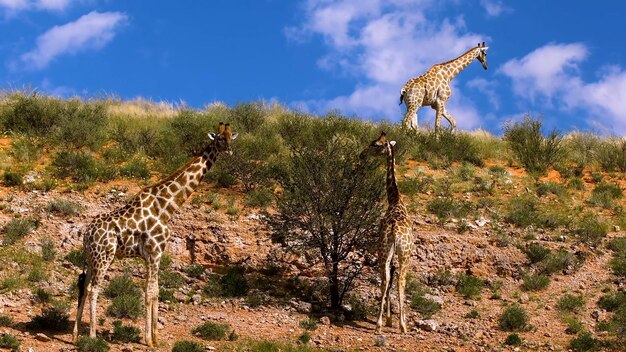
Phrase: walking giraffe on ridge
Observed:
(433, 87)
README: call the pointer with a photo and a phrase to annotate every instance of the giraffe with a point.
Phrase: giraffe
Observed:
(139, 229)
(396, 235)
(433, 87)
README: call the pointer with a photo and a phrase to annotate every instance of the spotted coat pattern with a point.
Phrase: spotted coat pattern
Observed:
(433, 87)
(139, 229)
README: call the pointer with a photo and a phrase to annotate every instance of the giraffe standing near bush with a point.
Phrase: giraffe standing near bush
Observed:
(396, 235)
(139, 229)
(433, 87)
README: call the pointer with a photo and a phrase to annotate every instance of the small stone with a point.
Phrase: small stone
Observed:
(196, 299)
(209, 348)
(427, 325)
(380, 340)
(127, 348)
(42, 337)
(433, 298)
(325, 320)
(524, 298)
(617, 228)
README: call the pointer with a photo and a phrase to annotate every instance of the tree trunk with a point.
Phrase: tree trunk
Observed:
(335, 301)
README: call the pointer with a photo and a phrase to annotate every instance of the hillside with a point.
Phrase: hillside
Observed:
(506, 228)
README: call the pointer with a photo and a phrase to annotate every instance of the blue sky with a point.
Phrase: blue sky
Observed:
(559, 59)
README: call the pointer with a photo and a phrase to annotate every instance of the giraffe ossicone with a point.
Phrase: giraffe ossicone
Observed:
(433, 87)
(139, 229)
(396, 235)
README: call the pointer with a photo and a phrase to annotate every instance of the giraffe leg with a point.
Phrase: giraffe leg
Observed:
(384, 286)
(439, 112)
(401, 298)
(389, 321)
(449, 117)
(410, 118)
(152, 300)
(82, 297)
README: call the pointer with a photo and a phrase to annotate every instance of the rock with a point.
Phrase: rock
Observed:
(42, 337)
(524, 298)
(209, 348)
(196, 299)
(302, 307)
(616, 228)
(179, 296)
(380, 340)
(325, 320)
(481, 222)
(127, 348)
(434, 298)
(427, 325)
(598, 315)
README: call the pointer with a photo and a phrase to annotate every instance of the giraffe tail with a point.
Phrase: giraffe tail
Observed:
(82, 283)
(401, 97)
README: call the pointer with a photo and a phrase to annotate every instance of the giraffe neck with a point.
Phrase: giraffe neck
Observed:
(172, 192)
(393, 196)
(460, 63)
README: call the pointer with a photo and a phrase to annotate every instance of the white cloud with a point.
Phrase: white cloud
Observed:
(92, 31)
(488, 88)
(12, 7)
(546, 70)
(383, 44)
(494, 8)
(551, 74)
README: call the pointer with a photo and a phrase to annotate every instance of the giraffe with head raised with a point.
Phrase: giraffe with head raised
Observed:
(139, 229)
(433, 87)
(396, 235)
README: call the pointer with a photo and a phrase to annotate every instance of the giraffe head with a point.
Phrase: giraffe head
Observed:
(381, 146)
(223, 138)
(482, 54)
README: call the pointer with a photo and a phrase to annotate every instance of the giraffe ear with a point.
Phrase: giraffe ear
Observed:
(233, 135)
(211, 136)
(393, 143)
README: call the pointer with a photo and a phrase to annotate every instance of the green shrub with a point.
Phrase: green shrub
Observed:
(54, 317)
(559, 261)
(358, 309)
(305, 338)
(194, 270)
(576, 184)
(612, 155)
(136, 168)
(48, 250)
(426, 307)
(472, 314)
(211, 331)
(42, 295)
(612, 301)
(81, 167)
(513, 340)
(37, 273)
(10, 342)
(76, 257)
(9, 283)
(590, 229)
(513, 318)
(531, 149)
(11, 179)
(5, 320)
(573, 325)
(570, 303)
(259, 198)
(309, 324)
(16, 229)
(618, 265)
(525, 210)
(82, 124)
(92, 344)
(414, 184)
(536, 252)
(171, 279)
(446, 146)
(447, 207)
(617, 244)
(125, 306)
(187, 346)
(120, 286)
(545, 188)
(469, 286)
(584, 342)
(32, 114)
(63, 207)
(166, 295)
(234, 283)
(604, 194)
(125, 333)
(26, 149)
(535, 282)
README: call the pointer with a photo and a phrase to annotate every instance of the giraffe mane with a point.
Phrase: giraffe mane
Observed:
(449, 61)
